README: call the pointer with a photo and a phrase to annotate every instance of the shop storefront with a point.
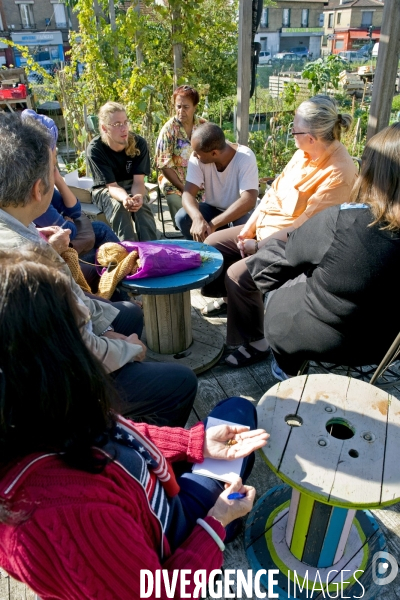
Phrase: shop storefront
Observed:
(45, 47)
(309, 37)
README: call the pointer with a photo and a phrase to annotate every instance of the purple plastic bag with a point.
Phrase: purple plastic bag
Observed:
(157, 260)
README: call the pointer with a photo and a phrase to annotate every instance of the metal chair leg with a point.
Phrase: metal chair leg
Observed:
(390, 355)
(160, 216)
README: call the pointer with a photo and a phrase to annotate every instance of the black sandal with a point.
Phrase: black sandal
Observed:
(243, 361)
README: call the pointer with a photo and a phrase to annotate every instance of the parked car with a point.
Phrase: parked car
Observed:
(354, 55)
(366, 49)
(300, 51)
(289, 57)
(264, 58)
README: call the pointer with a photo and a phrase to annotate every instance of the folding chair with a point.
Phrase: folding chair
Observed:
(385, 375)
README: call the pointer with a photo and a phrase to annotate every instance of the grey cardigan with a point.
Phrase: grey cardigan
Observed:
(113, 354)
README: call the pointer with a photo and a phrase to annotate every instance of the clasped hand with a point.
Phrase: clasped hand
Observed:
(134, 203)
(247, 441)
(200, 229)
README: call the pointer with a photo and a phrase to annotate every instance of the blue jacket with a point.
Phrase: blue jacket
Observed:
(56, 212)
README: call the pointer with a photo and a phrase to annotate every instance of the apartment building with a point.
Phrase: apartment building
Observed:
(349, 25)
(292, 23)
(41, 25)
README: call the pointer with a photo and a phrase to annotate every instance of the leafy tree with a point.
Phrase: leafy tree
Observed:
(323, 72)
(206, 34)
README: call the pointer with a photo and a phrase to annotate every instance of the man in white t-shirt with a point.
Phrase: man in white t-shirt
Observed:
(228, 173)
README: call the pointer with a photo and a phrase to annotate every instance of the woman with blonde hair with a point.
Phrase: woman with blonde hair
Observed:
(340, 269)
(119, 161)
(320, 174)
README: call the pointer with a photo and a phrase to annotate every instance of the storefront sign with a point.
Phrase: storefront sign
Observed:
(29, 39)
(302, 30)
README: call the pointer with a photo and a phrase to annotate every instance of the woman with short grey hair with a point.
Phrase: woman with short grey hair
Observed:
(320, 174)
(322, 118)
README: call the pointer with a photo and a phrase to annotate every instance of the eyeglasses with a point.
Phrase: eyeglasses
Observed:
(120, 125)
(293, 132)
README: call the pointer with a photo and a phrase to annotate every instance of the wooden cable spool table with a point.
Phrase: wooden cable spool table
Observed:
(167, 312)
(335, 442)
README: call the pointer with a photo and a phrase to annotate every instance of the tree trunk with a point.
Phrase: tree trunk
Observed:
(111, 9)
(139, 53)
(96, 10)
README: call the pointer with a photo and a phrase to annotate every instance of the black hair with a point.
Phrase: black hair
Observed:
(54, 394)
(210, 137)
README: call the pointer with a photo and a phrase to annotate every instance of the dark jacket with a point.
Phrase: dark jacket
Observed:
(345, 309)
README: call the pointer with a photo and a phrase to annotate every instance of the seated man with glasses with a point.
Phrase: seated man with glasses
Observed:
(119, 161)
(320, 174)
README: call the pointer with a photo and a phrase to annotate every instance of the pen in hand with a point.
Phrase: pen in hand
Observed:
(236, 496)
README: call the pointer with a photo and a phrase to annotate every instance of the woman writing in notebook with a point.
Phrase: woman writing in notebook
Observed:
(87, 498)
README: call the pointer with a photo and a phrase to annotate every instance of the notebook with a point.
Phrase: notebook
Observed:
(224, 470)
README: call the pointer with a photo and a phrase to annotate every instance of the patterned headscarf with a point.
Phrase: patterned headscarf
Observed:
(45, 121)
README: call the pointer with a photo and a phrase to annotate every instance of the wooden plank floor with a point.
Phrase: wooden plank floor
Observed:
(252, 382)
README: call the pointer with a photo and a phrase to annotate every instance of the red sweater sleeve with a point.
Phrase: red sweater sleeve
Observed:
(176, 443)
(97, 552)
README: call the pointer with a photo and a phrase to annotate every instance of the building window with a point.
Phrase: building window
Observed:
(1, 25)
(339, 18)
(366, 18)
(339, 44)
(304, 17)
(330, 21)
(264, 18)
(286, 17)
(59, 15)
(26, 12)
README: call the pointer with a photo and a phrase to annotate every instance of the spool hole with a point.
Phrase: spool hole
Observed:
(353, 453)
(339, 429)
(293, 420)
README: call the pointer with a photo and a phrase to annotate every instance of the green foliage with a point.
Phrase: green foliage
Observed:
(205, 29)
(323, 72)
(290, 93)
(396, 103)
(78, 164)
(31, 64)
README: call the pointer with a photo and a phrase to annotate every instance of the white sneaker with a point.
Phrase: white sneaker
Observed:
(277, 371)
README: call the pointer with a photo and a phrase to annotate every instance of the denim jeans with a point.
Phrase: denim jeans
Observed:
(199, 493)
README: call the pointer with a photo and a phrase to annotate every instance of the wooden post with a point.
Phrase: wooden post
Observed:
(386, 68)
(244, 70)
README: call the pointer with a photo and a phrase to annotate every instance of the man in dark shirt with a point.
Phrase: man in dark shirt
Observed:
(119, 161)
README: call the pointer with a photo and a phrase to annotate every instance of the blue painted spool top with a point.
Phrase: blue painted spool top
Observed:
(186, 280)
